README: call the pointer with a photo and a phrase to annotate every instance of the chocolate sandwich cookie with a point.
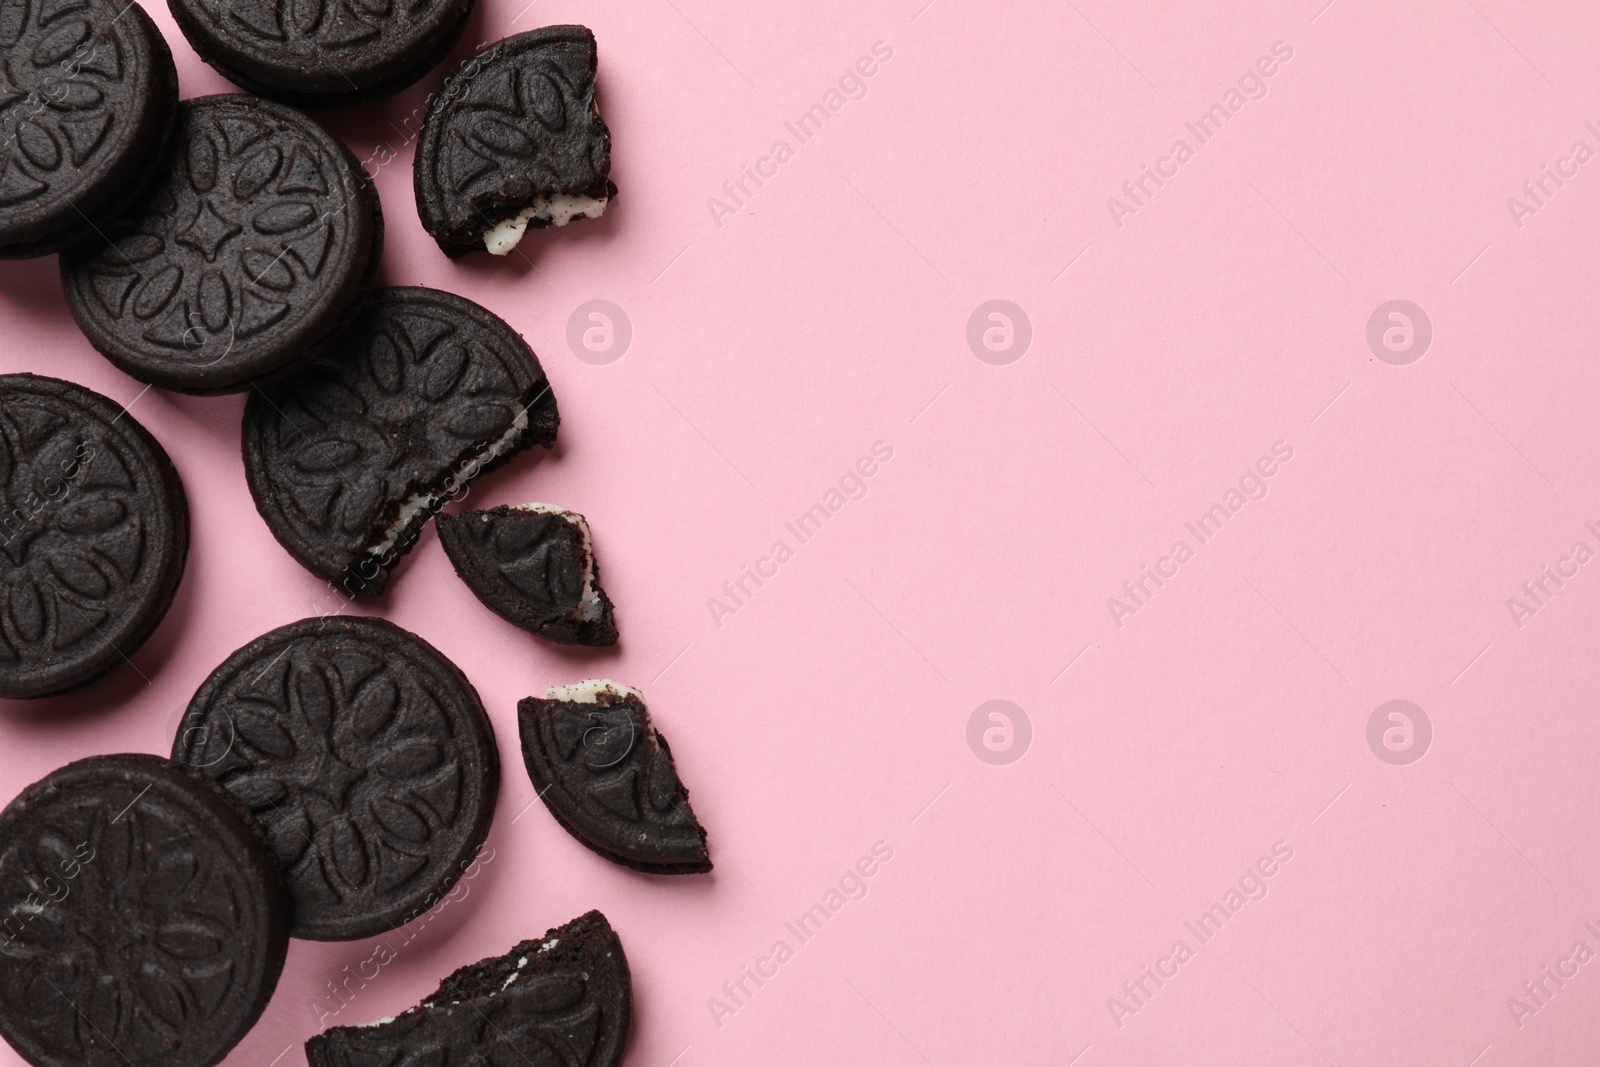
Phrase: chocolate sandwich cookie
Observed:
(534, 566)
(564, 1000)
(246, 259)
(366, 755)
(608, 777)
(142, 917)
(88, 95)
(94, 534)
(348, 459)
(322, 53)
(513, 140)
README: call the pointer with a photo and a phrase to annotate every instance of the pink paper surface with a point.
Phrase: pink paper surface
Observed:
(1167, 746)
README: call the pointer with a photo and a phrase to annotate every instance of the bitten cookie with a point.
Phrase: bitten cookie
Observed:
(88, 97)
(322, 53)
(350, 458)
(534, 566)
(365, 754)
(246, 259)
(94, 534)
(564, 1000)
(144, 920)
(513, 140)
(608, 777)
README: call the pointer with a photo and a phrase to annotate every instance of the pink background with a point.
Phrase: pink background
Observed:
(830, 711)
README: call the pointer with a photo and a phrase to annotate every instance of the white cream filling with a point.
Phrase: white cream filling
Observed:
(375, 1022)
(523, 962)
(590, 606)
(558, 210)
(588, 692)
(428, 503)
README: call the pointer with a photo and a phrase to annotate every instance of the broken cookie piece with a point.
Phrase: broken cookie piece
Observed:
(608, 777)
(533, 565)
(348, 459)
(565, 999)
(514, 140)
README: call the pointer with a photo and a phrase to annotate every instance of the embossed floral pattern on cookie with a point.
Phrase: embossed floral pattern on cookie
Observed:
(93, 535)
(86, 98)
(141, 917)
(365, 755)
(514, 140)
(348, 459)
(244, 259)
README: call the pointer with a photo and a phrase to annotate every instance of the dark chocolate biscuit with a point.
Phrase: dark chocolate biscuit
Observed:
(608, 777)
(514, 140)
(322, 53)
(142, 917)
(348, 459)
(88, 95)
(565, 1000)
(245, 260)
(94, 533)
(533, 565)
(366, 755)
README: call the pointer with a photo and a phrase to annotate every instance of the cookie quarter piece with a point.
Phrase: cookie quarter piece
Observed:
(608, 777)
(94, 535)
(88, 98)
(533, 565)
(322, 53)
(367, 757)
(246, 259)
(513, 140)
(565, 1000)
(144, 918)
(348, 459)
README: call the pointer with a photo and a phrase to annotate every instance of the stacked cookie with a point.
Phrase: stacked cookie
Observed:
(333, 778)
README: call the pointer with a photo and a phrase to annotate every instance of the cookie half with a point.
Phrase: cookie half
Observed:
(247, 258)
(608, 777)
(348, 459)
(88, 96)
(367, 757)
(322, 53)
(564, 1000)
(534, 566)
(145, 920)
(514, 140)
(94, 535)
